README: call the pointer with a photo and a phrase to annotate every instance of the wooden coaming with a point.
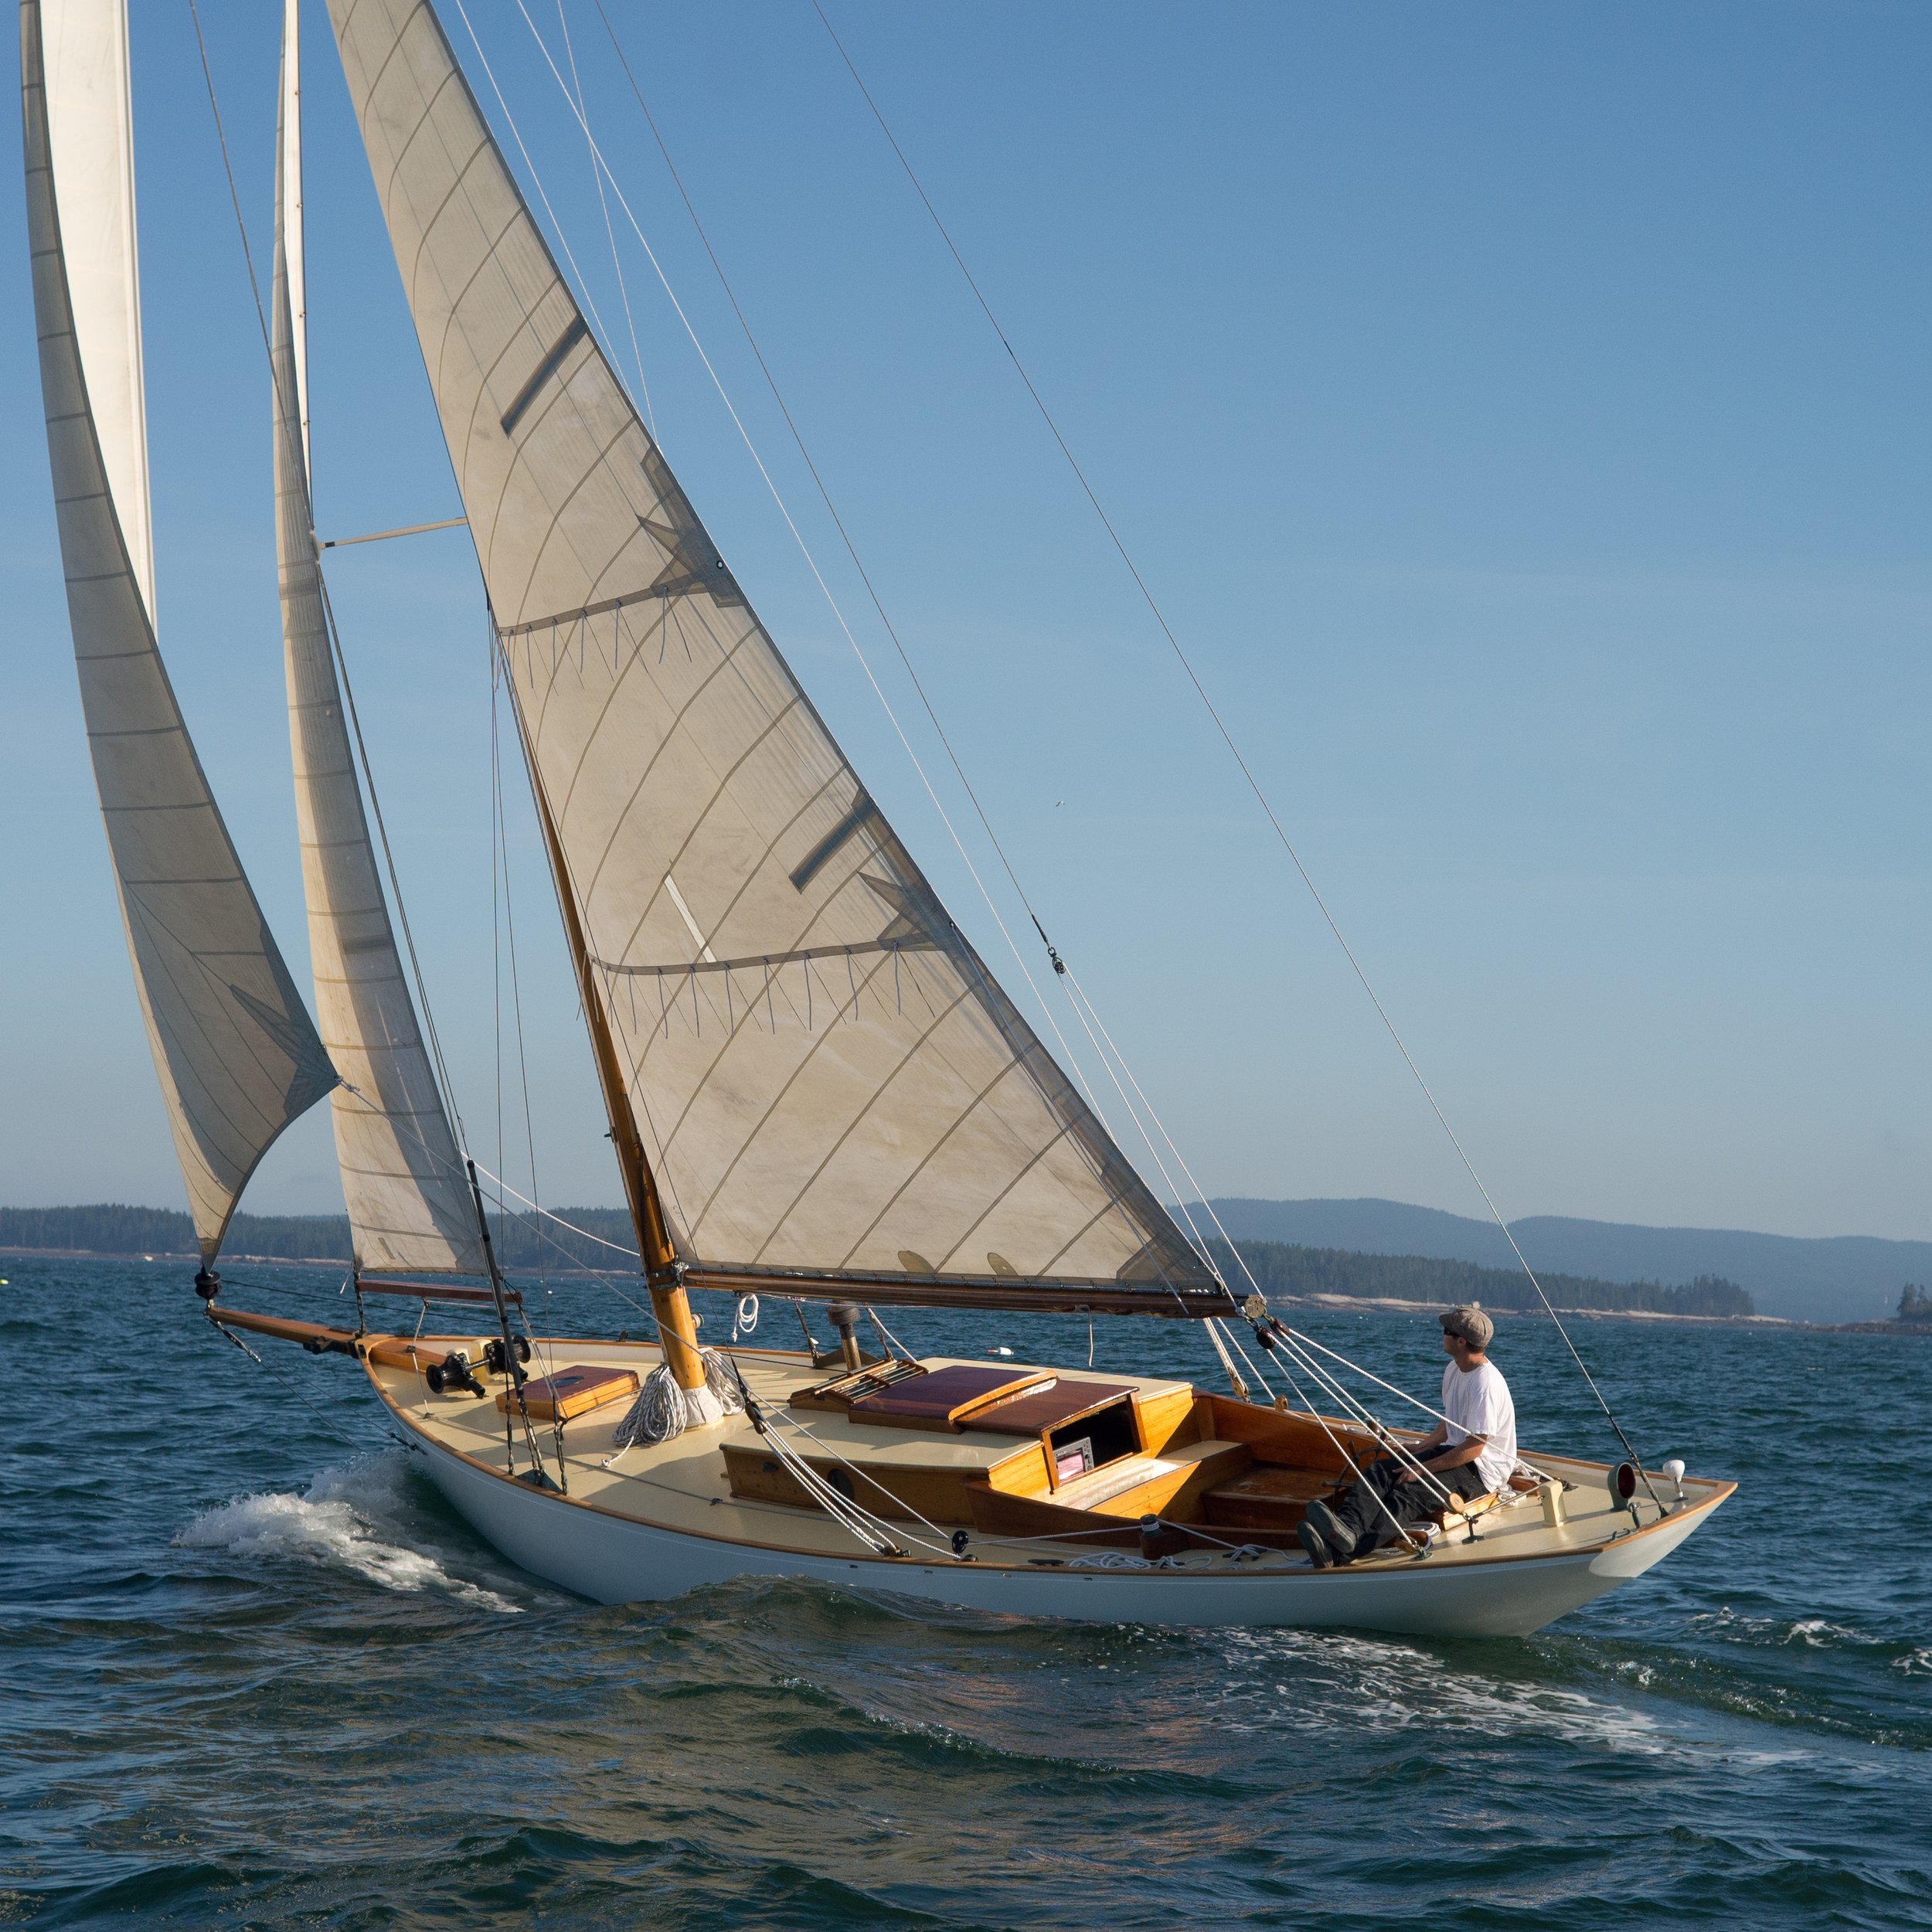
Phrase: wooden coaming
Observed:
(998, 1515)
(1279, 1436)
(1170, 1419)
(1024, 1473)
(899, 1492)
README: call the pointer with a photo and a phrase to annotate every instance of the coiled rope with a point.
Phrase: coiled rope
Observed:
(661, 1410)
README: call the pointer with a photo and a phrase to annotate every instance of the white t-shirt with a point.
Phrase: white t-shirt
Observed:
(1477, 1402)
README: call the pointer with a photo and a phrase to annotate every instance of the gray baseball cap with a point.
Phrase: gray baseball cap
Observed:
(1471, 1323)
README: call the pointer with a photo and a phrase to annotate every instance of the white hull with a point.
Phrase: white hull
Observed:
(616, 1560)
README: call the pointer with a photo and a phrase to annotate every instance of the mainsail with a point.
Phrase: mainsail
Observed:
(409, 1204)
(828, 1085)
(237, 1056)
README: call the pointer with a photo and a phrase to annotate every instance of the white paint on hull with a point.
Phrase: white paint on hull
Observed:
(616, 1559)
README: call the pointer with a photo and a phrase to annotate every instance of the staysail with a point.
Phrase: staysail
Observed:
(237, 1056)
(829, 1085)
(409, 1204)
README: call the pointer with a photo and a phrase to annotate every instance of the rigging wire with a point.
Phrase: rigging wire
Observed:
(616, 1246)
(1220, 723)
(892, 631)
(502, 842)
(1352, 1405)
(1322, 1423)
(348, 1442)
(609, 231)
(440, 1068)
(335, 646)
(1081, 1003)
(234, 197)
(1309, 1341)
(871, 591)
(798, 437)
(777, 495)
(1295, 1340)
(496, 917)
(501, 855)
(556, 226)
(500, 838)
(445, 1085)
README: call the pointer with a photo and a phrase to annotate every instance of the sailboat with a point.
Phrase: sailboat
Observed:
(816, 1088)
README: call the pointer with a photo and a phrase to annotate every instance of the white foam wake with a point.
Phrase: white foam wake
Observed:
(336, 1524)
(1385, 1685)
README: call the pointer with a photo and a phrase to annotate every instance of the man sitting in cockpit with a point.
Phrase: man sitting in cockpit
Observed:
(1469, 1455)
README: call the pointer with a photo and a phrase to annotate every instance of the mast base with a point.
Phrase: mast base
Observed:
(701, 1408)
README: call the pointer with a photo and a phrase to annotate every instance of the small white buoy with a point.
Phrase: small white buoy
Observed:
(999, 1351)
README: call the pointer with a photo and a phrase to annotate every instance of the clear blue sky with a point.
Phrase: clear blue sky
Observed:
(1521, 411)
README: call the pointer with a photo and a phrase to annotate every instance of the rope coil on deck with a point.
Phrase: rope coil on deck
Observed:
(659, 1411)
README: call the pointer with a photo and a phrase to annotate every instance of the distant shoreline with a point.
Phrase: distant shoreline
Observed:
(1334, 1304)
(1389, 1304)
(162, 1254)
(159, 1255)
(1366, 1251)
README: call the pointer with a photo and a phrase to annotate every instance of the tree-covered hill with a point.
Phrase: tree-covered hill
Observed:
(115, 1229)
(1279, 1267)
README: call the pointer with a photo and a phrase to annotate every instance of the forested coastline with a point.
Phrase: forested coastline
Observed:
(1281, 1268)
(522, 1244)
(527, 1246)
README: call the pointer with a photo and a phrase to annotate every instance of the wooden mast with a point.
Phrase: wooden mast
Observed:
(663, 1271)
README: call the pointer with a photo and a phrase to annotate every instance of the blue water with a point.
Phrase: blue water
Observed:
(253, 1671)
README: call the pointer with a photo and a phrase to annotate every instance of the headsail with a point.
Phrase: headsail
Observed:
(829, 1083)
(236, 1054)
(409, 1204)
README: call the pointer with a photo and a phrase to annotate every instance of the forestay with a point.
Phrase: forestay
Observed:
(237, 1056)
(409, 1203)
(825, 1077)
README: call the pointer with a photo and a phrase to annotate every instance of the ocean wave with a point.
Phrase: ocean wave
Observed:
(1389, 1686)
(1816, 1633)
(338, 1523)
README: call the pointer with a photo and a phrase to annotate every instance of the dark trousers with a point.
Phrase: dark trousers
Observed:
(1411, 1503)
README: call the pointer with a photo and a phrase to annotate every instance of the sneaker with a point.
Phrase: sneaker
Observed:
(1333, 1530)
(1311, 1540)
